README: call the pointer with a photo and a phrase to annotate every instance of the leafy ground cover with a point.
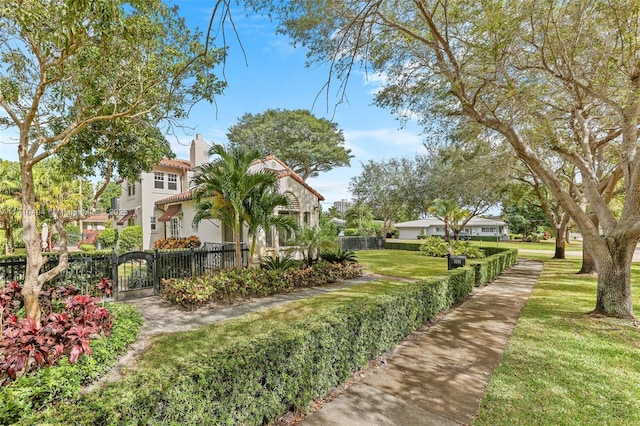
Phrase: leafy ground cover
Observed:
(563, 366)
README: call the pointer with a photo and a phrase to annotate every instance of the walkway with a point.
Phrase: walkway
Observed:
(439, 374)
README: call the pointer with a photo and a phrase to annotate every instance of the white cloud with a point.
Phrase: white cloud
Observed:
(385, 142)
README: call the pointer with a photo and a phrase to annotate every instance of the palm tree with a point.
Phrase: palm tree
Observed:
(223, 187)
(444, 209)
(311, 241)
(259, 208)
(10, 204)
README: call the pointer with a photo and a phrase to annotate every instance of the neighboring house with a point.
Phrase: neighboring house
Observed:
(161, 201)
(476, 227)
(92, 226)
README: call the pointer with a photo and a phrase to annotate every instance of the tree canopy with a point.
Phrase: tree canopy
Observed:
(307, 144)
(552, 78)
(387, 187)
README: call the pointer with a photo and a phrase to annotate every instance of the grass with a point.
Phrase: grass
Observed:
(563, 366)
(401, 263)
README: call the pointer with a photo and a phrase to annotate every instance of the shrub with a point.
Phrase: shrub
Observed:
(434, 247)
(62, 382)
(177, 243)
(339, 256)
(227, 284)
(402, 246)
(108, 237)
(437, 247)
(131, 238)
(279, 263)
(87, 247)
(24, 347)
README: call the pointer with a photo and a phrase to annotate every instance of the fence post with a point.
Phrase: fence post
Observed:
(114, 273)
(193, 262)
(156, 273)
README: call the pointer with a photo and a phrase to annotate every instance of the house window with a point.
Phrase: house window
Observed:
(268, 237)
(175, 227)
(488, 230)
(439, 228)
(228, 236)
(158, 178)
(172, 181)
(131, 189)
(285, 236)
(153, 223)
(307, 218)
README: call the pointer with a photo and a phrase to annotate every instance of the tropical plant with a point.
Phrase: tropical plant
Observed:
(10, 204)
(339, 256)
(192, 241)
(259, 209)
(278, 263)
(311, 241)
(223, 189)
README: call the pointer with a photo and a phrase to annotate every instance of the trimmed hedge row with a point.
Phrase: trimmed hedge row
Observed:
(497, 260)
(402, 246)
(252, 370)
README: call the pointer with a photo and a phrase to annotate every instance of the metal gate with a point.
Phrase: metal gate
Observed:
(134, 275)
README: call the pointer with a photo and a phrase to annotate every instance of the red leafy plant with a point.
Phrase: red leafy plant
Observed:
(24, 347)
(105, 286)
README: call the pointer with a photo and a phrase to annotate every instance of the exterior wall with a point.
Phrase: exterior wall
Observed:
(146, 195)
(409, 233)
(435, 227)
(144, 202)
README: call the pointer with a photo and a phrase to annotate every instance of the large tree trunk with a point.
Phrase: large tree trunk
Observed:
(560, 231)
(588, 263)
(560, 249)
(31, 287)
(614, 278)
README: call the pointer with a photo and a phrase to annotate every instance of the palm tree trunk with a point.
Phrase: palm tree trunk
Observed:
(237, 231)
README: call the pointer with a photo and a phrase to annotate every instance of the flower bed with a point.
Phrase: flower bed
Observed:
(191, 293)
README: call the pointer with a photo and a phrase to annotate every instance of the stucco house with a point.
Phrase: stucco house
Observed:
(161, 201)
(476, 227)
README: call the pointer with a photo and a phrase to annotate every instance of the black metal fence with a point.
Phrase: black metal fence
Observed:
(134, 270)
(360, 243)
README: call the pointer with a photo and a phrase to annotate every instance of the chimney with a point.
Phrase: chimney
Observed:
(199, 152)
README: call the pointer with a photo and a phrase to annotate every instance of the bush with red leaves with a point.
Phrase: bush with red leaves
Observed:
(24, 347)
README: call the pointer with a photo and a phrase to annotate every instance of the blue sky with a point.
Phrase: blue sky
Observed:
(275, 76)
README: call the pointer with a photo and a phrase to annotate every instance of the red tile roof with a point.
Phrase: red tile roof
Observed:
(97, 218)
(282, 173)
(175, 163)
(183, 196)
(288, 171)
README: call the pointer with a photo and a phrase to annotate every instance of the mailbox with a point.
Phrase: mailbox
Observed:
(454, 262)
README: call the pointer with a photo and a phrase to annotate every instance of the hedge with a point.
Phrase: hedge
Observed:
(252, 370)
(403, 246)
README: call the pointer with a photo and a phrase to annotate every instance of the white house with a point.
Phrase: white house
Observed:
(161, 201)
(476, 227)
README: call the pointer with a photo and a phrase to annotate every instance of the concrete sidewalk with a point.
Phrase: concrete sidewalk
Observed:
(439, 375)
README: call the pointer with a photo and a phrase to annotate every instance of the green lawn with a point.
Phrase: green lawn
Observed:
(401, 263)
(563, 366)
